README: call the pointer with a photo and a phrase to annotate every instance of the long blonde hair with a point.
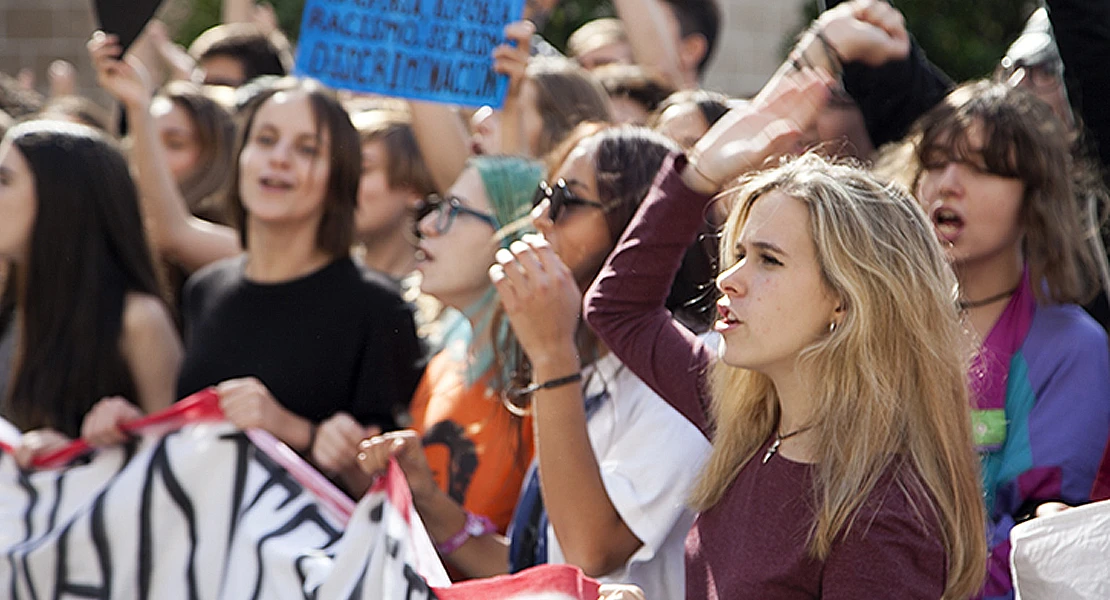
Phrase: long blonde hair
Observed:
(891, 390)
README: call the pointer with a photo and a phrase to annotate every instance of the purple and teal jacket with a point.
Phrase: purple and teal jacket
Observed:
(1041, 387)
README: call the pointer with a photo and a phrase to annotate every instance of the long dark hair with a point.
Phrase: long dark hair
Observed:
(626, 161)
(336, 231)
(87, 250)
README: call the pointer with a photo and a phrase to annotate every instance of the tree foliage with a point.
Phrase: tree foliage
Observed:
(570, 15)
(206, 13)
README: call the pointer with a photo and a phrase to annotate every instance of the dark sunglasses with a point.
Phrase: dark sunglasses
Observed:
(446, 209)
(560, 197)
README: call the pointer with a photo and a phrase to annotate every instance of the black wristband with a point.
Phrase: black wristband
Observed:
(547, 385)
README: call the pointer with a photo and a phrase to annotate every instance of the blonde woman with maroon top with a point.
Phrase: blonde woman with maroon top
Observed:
(841, 462)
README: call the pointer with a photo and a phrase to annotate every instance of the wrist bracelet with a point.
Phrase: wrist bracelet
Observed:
(830, 51)
(474, 526)
(692, 162)
(549, 384)
(311, 439)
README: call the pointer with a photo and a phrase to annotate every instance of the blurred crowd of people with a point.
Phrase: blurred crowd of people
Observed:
(831, 341)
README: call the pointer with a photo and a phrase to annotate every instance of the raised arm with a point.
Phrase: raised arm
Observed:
(176, 61)
(646, 26)
(443, 139)
(1082, 30)
(542, 302)
(511, 59)
(174, 231)
(885, 71)
(237, 11)
(625, 305)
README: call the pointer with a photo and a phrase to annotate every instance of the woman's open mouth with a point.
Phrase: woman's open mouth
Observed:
(948, 223)
(727, 320)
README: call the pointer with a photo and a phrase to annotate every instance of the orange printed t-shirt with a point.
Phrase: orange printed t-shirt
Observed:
(476, 448)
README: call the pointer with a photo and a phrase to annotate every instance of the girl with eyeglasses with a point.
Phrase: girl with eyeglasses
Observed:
(462, 430)
(607, 501)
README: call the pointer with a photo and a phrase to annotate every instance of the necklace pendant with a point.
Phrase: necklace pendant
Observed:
(772, 450)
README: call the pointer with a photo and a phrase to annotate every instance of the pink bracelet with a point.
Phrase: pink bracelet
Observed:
(475, 526)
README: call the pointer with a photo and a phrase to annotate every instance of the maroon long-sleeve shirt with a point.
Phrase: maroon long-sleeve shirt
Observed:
(754, 542)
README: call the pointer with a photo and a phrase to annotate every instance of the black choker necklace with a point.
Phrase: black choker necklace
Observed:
(779, 438)
(966, 304)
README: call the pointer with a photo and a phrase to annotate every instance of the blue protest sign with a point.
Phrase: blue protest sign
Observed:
(435, 50)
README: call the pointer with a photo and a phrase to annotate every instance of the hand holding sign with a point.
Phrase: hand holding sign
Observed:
(512, 59)
(124, 80)
(337, 441)
(34, 445)
(405, 446)
(438, 50)
(125, 18)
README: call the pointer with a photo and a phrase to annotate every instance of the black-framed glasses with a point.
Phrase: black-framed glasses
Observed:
(445, 210)
(560, 196)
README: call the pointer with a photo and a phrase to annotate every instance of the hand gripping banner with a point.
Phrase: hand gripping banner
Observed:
(197, 509)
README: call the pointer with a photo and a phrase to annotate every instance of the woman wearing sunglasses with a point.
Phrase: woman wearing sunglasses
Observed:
(607, 502)
(479, 449)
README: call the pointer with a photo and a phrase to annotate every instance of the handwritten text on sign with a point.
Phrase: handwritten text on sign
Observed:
(421, 49)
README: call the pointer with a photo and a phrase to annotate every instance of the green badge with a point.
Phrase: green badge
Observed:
(989, 428)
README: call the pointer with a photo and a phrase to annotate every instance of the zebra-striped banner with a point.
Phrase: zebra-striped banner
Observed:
(201, 510)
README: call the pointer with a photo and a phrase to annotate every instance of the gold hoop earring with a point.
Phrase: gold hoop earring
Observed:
(832, 327)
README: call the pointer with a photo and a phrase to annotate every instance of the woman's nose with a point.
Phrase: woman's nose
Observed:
(731, 280)
(949, 180)
(426, 226)
(541, 217)
(280, 154)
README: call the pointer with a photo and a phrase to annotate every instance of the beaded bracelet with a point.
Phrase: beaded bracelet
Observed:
(474, 526)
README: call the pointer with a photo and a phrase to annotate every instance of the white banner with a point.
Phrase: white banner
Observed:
(200, 513)
(206, 511)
